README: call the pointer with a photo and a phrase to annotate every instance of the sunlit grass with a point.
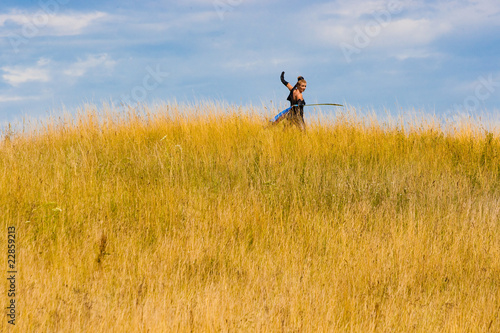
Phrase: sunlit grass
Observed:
(201, 218)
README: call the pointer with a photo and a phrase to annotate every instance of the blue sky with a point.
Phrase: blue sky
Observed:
(441, 57)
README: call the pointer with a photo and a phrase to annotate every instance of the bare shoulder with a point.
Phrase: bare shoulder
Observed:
(297, 94)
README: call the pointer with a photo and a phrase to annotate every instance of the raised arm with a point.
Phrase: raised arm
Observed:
(288, 85)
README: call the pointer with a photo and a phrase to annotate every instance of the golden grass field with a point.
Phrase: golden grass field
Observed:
(199, 218)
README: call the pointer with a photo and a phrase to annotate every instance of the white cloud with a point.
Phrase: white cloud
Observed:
(229, 3)
(45, 70)
(353, 9)
(17, 75)
(416, 53)
(40, 23)
(395, 25)
(4, 98)
(82, 66)
(10, 98)
(479, 13)
(414, 31)
(485, 83)
(63, 25)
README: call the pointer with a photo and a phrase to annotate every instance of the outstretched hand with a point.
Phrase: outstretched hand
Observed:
(282, 77)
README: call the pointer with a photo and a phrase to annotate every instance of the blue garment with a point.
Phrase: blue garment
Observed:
(281, 114)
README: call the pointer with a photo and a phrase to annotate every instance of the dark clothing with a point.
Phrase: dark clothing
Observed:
(296, 114)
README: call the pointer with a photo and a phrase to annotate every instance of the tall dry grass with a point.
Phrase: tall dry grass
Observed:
(157, 221)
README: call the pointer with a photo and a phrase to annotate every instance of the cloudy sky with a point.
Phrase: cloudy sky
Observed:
(439, 56)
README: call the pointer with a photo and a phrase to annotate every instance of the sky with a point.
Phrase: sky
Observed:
(442, 57)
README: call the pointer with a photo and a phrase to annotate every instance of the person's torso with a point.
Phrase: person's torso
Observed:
(298, 109)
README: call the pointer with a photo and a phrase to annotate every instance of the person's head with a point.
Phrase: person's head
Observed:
(301, 84)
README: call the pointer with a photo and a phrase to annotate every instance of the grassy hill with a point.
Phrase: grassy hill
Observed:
(200, 218)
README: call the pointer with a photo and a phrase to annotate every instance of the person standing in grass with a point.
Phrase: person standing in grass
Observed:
(296, 114)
